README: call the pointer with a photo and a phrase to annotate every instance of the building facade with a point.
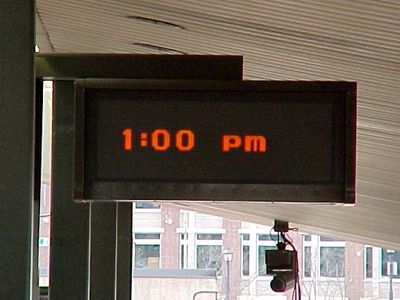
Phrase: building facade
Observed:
(165, 237)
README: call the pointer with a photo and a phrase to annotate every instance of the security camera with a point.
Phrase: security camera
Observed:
(281, 264)
(283, 282)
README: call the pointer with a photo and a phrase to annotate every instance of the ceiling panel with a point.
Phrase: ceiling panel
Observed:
(280, 40)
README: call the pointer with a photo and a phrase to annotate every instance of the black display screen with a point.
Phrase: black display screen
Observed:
(215, 140)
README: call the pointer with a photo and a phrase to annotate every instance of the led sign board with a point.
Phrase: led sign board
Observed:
(215, 141)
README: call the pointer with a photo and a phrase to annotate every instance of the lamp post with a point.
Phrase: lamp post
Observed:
(390, 271)
(228, 256)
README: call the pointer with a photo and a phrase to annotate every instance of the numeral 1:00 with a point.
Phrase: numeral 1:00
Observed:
(160, 139)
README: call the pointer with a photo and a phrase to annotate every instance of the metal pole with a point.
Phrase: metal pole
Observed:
(227, 255)
(227, 280)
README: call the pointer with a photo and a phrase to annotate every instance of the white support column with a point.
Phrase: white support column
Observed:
(376, 271)
(191, 240)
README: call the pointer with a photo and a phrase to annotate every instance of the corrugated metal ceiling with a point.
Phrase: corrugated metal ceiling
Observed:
(280, 40)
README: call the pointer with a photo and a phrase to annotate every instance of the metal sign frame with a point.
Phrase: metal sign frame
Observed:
(87, 189)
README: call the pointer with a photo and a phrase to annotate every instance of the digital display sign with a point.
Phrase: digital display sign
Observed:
(215, 141)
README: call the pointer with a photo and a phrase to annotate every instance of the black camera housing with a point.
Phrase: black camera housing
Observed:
(281, 264)
(279, 261)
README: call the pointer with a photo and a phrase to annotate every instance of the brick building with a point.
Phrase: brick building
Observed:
(165, 237)
(330, 268)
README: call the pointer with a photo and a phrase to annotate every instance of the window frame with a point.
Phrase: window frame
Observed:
(146, 242)
(309, 244)
(183, 250)
(244, 243)
(147, 209)
(211, 242)
(365, 262)
(383, 277)
(331, 244)
(263, 243)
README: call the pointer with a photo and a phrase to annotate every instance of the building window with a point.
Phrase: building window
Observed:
(264, 242)
(331, 257)
(147, 256)
(209, 257)
(208, 251)
(390, 258)
(146, 205)
(245, 260)
(245, 238)
(329, 239)
(307, 261)
(147, 236)
(332, 262)
(44, 234)
(207, 236)
(44, 241)
(307, 257)
(183, 250)
(368, 262)
(147, 250)
(262, 266)
(182, 257)
(268, 237)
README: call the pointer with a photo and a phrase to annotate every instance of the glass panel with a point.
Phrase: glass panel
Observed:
(45, 188)
(182, 257)
(147, 256)
(307, 238)
(204, 236)
(329, 239)
(307, 261)
(390, 257)
(44, 250)
(245, 260)
(147, 236)
(147, 205)
(268, 237)
(332, 262)
(368, 262)
(246, 237)
(209, 257)
(262, 267)
(44, 235)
